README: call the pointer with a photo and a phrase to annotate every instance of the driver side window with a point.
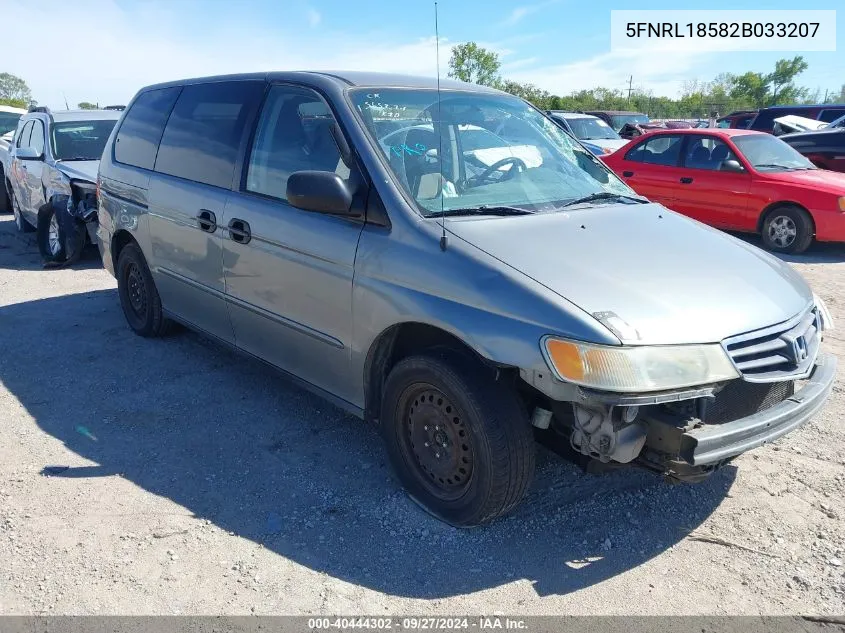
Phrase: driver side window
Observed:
(293, 134)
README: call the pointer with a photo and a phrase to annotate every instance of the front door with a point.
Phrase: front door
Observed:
(188, 191)
(706, 190)
(34, 171)
(289, 272)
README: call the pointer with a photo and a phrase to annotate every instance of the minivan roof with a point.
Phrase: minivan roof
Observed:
(343, 78)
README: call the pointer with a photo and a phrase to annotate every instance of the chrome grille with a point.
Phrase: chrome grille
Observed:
(775, 353)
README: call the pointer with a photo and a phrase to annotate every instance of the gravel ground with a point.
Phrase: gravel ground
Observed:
(175, 477)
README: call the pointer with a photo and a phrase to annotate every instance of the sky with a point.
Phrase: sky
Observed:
(105, 50)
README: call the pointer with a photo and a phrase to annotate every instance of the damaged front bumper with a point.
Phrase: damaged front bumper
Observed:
(712, 444)
(683, 434)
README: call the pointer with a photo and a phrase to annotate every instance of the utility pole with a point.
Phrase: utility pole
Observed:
(630, 88)
(825, 95)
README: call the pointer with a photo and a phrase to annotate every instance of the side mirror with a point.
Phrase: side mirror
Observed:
(732, 165)
(320, 191)
(28, 153)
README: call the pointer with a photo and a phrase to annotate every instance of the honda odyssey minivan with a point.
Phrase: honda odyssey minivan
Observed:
(450, 264)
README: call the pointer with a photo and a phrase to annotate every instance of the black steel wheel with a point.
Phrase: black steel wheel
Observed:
(458, 438)
(138, 294)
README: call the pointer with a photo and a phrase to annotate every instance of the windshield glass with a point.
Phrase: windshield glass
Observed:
(81, 140)
(591, 129)
(497, 151)
(8, 122)
(619, 120)
(767, 153)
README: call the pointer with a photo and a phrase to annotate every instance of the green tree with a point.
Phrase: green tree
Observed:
(14, 88)
(782, 80)
(15, 103)
(474, 64)
(86, 105)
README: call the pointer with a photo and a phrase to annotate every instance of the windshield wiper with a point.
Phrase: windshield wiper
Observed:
(76, 158)
(603, 195)
(481, 210)
(774, 165)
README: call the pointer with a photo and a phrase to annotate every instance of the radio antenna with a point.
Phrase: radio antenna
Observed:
(439, 127)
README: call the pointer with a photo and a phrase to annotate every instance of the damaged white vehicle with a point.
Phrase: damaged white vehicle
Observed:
(52, 178)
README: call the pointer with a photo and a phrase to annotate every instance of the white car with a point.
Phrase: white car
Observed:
(589, 128)
(9, 117)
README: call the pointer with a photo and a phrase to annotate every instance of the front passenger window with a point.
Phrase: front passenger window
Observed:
(294, 134)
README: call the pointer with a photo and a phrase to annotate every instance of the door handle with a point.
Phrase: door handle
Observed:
(627, 174)
(206, 221)
(686, 180)
(239, 231)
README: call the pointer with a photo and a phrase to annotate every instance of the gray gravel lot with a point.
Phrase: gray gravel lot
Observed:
(175, 477)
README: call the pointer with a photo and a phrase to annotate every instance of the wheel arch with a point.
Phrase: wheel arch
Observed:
(119, 241)
(774, 206)
(406, 339)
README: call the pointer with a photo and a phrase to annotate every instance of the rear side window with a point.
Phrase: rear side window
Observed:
(658, 150)
(202, 136)
(139, 134)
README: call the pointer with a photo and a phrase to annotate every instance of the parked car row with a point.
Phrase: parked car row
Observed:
(446, 261)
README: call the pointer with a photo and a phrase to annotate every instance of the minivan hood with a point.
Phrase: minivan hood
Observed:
(672, 279)
(79, 169)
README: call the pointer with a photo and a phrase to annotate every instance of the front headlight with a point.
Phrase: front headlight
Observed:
(637, 368)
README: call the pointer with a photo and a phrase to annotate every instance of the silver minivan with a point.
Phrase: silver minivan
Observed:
(447, 262)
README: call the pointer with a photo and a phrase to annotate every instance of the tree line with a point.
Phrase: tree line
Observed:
(725, 93)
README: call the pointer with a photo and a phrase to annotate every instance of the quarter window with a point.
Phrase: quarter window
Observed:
(137, 139)
(203, 134)
(294, 134)
(658, 150)
(707, 152)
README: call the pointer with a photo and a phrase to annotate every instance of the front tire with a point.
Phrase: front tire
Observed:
(138, 294)
(458, 438)
(51, 237)
(787, 229)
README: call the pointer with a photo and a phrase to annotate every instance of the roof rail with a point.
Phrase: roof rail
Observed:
(44, 109)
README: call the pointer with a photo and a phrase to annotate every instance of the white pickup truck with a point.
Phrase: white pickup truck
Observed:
(9, 117)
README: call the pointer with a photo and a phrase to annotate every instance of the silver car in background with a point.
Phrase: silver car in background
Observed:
(52, 177)
(450, 264)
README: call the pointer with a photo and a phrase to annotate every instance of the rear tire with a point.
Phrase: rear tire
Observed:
(138, 294)
(458, 439)
(787, 229)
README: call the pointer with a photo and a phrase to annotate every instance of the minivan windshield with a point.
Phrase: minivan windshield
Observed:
(81, 140)
(768, 153)
(480, 151)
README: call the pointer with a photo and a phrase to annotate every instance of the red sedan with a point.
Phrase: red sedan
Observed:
(738, 180)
